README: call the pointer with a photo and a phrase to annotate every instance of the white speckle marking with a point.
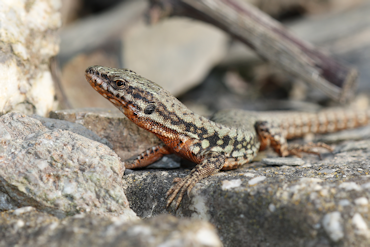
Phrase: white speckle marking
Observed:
(332, 225)
(196, 150)
(229, 148)
(256, 180)
(229, 184)
(237, 153)
(205, 144)
(23, 210)
(20, 223)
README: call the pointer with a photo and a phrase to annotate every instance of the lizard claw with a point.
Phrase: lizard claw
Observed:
(182, 185)
(212, 163)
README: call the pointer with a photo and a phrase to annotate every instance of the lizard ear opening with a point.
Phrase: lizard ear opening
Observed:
(149, 109)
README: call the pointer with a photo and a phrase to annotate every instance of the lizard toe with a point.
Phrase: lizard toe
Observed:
(174, 190)
(182, 185)
(297, 149)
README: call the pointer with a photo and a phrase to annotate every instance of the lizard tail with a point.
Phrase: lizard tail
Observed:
(326, 121)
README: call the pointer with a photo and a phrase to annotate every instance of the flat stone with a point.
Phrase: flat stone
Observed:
(178, 52)
(283, 161)
(79, 129)
(126, 137)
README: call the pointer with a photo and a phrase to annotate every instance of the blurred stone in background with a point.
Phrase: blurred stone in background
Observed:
(180, 53)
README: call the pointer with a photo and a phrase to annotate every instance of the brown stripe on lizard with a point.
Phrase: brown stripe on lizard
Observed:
(228, 141)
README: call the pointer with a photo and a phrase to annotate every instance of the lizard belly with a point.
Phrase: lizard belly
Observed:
(183, 147)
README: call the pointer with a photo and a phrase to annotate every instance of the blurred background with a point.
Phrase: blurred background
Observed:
(200, 64)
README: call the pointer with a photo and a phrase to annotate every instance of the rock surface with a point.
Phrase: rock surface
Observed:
(318, 203)
(79, 129)
(28, 39)
(125, 136)
(27, 227)
(57, 171)
(321, 203)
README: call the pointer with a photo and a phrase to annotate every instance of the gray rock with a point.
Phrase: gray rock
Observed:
(27, 227)
(126, 137)
(29, 38)
(79, 129)
(57, 171)
(321, 203)
(6, 203)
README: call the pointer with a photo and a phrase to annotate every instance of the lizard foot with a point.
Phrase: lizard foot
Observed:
(211, 163)
(182, 185)
(270, 135)
(297, 149)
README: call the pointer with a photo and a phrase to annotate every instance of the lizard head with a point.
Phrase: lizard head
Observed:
(141, 100)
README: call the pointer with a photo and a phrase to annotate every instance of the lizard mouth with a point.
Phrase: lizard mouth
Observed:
(97, 81)
(100, 82)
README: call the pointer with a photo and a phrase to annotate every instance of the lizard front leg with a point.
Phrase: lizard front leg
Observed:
(211, 163)
(270, 135)
(146, 158)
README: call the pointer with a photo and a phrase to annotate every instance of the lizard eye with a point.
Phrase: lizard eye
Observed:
(149, 109)
(120, 83)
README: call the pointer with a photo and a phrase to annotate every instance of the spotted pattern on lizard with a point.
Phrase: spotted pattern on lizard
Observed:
(228, 141)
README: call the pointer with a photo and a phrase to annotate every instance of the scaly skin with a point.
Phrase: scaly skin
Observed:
(232, 139)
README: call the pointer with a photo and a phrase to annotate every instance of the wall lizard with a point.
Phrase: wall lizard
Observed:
(229, 140)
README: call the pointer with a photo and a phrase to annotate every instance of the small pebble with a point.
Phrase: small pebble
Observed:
(283, 161)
